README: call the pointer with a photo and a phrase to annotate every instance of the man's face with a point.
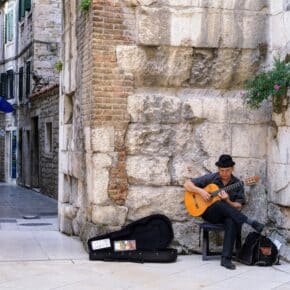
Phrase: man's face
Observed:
(225, 173)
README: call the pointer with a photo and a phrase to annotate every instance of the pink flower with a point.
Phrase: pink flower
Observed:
(276, 87)
(242, 93)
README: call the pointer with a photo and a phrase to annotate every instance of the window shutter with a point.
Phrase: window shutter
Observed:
(10, 83)
(27, 84)
(9, 18)
(27, 5)
(3, 87)
(6, 28)
(21, 9)
(20, 84)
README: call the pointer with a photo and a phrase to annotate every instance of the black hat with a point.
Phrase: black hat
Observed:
(225, 161)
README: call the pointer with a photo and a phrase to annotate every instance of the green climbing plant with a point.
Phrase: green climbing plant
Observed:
(58, 66)
(273, 83)
(85, 5)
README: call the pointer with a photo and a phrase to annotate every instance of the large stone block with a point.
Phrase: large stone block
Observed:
(148, 170)
(223, 68)
(199, 27)
(257, 5)
(65, 225)
(64, 162)
(98, 166)
(186, 236)
(67, 210)
(256, 206)
(280, 216)
(162, 140)
(214, 139)
(202, 103)
(109, 215)
(239, 113)
(279, 148)
(156, 66)
(76, 167)
(154, 108)
(279, 183)
(143, 201)
(276, 6)
(278, 32)
(100, 139)
(249, 141)
(66, 137)
(282, 120)
(149, 139)
(184, 167)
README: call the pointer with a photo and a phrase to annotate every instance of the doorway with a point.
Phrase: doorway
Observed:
(35, 152)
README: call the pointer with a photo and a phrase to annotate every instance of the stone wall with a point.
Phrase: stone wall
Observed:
(46, 34)
(159, 101)
(278, 177)
(94, 136)
(189, 61)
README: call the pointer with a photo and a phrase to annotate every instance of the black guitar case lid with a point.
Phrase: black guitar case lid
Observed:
(144, 240)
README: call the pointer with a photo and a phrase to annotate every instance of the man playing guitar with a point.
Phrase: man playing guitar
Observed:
(227, 209)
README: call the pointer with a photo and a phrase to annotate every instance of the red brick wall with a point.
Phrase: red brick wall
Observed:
(110, 86)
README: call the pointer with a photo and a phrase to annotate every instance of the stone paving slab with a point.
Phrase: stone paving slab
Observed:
(189, 272)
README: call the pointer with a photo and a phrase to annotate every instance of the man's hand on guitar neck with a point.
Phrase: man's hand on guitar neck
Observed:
(224, 195)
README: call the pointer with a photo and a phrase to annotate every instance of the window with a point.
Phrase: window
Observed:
(10, 84)
(27, 84)
(9, 25)
(48, 137)
(20, 84)
(24, 5)
(3, 85)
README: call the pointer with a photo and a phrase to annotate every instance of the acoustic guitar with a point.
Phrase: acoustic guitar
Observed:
(196, 205)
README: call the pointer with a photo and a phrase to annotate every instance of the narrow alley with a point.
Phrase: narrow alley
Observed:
(29, 228)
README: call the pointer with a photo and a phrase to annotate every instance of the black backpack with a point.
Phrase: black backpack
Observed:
(258, 250)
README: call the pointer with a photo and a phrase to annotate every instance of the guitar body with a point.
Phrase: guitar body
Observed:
(196, 205)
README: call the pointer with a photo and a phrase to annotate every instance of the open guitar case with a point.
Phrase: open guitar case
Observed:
(145, 240)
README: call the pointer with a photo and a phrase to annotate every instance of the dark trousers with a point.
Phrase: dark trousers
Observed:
(222, 213)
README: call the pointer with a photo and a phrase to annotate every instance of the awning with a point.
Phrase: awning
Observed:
(5, 106)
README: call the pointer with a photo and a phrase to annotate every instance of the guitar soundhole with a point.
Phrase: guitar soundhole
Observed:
(196, 204)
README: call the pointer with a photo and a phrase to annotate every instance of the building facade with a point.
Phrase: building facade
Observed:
(151, 95)
(30, 45)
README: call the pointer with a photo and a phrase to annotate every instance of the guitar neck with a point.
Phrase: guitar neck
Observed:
(229, 187)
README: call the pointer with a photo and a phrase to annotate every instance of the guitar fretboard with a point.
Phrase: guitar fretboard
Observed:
(229, 187)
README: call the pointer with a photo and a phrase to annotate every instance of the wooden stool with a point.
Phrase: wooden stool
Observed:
(206, 228)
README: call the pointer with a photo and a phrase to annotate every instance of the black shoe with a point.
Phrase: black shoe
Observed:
(227, 263)
(257, 226)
